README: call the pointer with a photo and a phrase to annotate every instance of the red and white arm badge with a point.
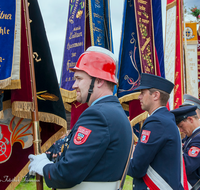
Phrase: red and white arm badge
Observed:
(193, 151)
(145, 136)
(81, 135)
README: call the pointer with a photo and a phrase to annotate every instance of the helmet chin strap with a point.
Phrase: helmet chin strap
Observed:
(90, 91)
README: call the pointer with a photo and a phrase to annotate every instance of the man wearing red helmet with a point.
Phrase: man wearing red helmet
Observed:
(96, 150)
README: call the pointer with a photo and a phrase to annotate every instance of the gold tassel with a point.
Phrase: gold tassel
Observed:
(129, 97)
(22, 106)
(15, 84)
(51, 118)
(68, 107)
(23, 110)
(4, 83)
(68, 96)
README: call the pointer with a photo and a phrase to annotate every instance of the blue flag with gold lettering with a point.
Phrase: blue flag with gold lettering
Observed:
(7, 34)
(88, 24)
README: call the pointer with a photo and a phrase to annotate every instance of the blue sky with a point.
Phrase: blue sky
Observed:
(55, 15)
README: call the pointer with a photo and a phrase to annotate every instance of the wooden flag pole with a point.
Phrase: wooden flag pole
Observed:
(35, 118)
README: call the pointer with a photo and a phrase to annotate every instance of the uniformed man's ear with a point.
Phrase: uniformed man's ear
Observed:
(190, 119)
(156, 95)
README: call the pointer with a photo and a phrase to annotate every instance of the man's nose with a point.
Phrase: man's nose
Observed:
(74, 85)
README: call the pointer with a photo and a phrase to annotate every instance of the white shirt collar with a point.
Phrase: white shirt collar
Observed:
(155, 110)
(196, 129)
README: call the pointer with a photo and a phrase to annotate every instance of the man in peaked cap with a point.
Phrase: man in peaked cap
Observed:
(97, 148)
(156, 158)
(188, 123)
(191, 100)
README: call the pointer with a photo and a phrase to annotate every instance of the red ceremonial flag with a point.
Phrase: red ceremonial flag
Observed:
(179, 82)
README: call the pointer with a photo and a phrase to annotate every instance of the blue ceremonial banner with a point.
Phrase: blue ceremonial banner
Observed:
(82, 31)
(158, 34)
(129, 59)
(108, 31)
(88, 24)
(138, 51)
(7, 32)
(99, 24)
(74, 45)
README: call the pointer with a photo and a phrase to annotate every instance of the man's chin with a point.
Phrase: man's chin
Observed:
(143, 108)
(80, 100)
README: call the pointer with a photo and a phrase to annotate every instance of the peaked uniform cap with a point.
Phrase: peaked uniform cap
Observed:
(191, 100)
(182, 113)
(152, 81)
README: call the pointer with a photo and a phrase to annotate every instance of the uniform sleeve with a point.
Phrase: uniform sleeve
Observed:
(192, 156)
(149, 143)
(85, 150)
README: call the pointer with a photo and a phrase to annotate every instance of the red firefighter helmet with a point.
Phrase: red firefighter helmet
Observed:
(98, 62)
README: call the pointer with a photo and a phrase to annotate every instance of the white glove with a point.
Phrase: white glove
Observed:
(37, 163)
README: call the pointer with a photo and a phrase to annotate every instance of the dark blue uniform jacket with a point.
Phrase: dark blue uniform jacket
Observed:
(191, 150)
(97, 153)
(159, 145)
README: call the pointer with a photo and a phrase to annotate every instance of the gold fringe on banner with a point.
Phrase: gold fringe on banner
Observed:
(139, 118)
(129, 97)
(22, 106)
(22, 114)
(68, 96)
(15, 84)
(23, 110)
(125, 106)
(51, 118)
(44, 147)
(45, 117)
(68, 107)
(5, 82)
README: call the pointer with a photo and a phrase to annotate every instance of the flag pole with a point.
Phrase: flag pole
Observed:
(186, 53)
(35, 118)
